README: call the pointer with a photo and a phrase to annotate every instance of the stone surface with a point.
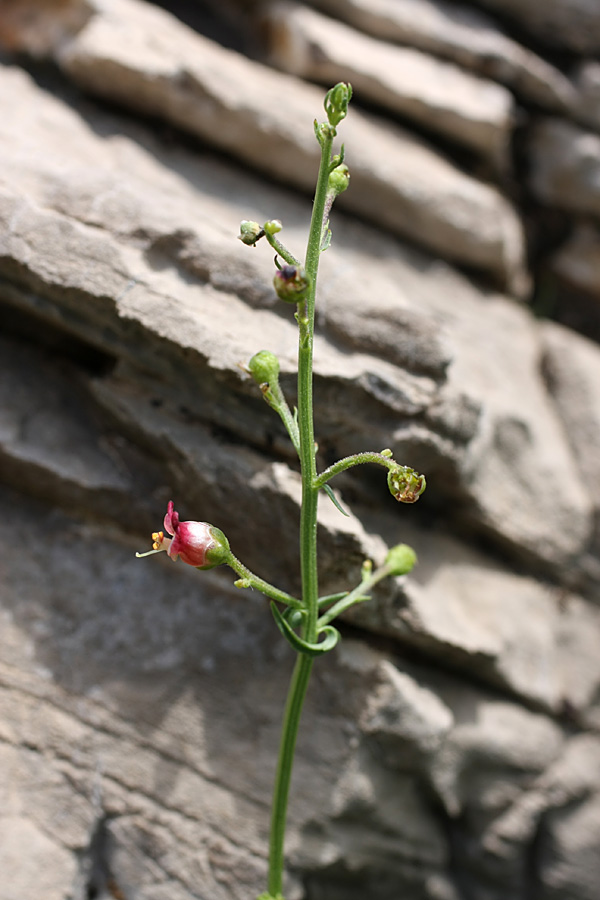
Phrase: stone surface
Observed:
(449, 747)
(462, 34)
(572, 24)
(572, 367)
(439, 96)
(578, 259)
(565, 166)
(139, 56)
(587, 84)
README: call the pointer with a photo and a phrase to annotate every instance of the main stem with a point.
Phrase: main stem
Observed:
(308, 531)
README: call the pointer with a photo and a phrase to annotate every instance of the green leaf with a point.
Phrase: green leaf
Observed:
(332, 636)
(331, 598)
(334, 500)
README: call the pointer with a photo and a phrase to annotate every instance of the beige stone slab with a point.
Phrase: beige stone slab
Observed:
(565, 166)
(143, 58)
(572, 24)
(462, 34)
(437, 95)
(577, 261)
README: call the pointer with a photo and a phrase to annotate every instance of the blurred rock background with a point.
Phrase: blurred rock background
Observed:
(450, 748)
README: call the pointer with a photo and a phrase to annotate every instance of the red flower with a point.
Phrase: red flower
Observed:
(197, 543)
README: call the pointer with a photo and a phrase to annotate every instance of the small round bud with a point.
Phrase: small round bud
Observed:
(366, 569)
(242, 583)
(249, 232)
(339, 179)
(400, 559)
(291, 284)
(264, 367)
(387, 453)
(405, 484)
(336, 103)
(273, 226)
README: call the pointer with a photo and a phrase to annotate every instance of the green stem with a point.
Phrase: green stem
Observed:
(276, 400)
(357, 459)
(355, 596)
(260, 584)
(282, 250)
(308, 530)
(283, 775)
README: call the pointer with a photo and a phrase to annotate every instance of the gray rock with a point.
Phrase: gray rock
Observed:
(136, 54)
(586, 107)
(462, 34)
(572, 367)
(460, 607)
(449, 745)
(577, 261)
(565, 166)
(407, 722)
(572, 24)
(471, 111)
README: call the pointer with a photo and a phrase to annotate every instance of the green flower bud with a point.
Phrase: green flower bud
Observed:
(400, 559)
(405, 484)
(249, 232)
(291, 284)
(273, 226)
(264, 367)
(339, 179)
(336, 103)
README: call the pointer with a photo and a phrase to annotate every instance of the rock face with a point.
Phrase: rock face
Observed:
(450, 746)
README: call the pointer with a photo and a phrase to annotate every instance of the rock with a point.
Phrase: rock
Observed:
(565, 166)
(460, 607)
(570, 24)
(407, 722)
(462, 34)
(34, 864)
(569, 852)
(139, 56)
(578, 259)
(586, 107)
(519, 443)
(572, 367)
(448, 745)
(437, 95)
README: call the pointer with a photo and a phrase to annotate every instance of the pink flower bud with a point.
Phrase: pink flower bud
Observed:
(196, 543)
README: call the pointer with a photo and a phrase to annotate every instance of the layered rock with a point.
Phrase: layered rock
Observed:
(450, 743)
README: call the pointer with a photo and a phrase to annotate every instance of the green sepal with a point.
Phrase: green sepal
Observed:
(268, 896)
(326, 241)
(334, 500)
(332, 636)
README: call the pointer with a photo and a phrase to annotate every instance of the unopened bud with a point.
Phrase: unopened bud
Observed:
(264, 367)
(273, 226)
(249, 232)
(291, 284)
(405, 484)
(339, 179)
(400, 559)
(336, 102)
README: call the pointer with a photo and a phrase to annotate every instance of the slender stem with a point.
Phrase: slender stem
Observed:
(355, 596)
(357, 459)
(308, 531)
(261, 585)
(276, 400)
(283, 775)
(282, 250)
